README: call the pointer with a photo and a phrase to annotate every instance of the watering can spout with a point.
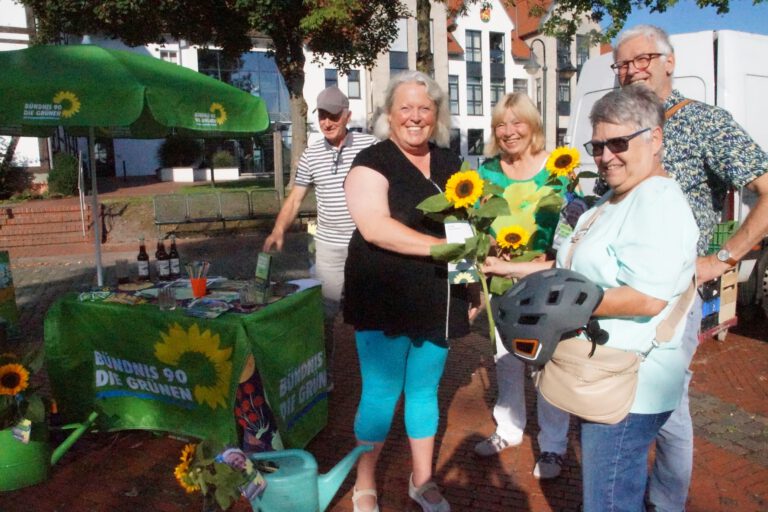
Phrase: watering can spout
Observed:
(80, 429)
(330, 482)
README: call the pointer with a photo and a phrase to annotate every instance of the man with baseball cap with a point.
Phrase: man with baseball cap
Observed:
(325, 165)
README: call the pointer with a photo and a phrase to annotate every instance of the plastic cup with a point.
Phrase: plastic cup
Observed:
(121, 271)
(166, 299)
(198, 286)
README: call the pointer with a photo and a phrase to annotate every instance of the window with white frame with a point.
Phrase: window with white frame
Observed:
(474, 96)
(475, 141)
(169, 56)
(520, 85)
(496, 42)
(353, 83)
(331, 77)
(564, 96)
(498, 90)
(453, 94)
(455, 144)
(473, 50)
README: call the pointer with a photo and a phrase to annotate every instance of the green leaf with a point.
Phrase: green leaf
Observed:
(447, 252)
(499, 285)
(586, 174)
(492, 208)
(435, 203)
(527, 256)
(465, 166)
(483, 246)
(551, 202)
(35, 409)
(491, 188)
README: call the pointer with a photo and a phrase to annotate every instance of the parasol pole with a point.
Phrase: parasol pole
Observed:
(95, 206)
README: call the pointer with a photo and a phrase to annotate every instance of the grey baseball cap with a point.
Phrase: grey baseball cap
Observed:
(332, 100)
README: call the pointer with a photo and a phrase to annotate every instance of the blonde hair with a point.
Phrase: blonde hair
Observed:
(442, 133)
(522, 106)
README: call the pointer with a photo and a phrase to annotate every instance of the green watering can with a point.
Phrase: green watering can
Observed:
(22, 465)
(296, 486)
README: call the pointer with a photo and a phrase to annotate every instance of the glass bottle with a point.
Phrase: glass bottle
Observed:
(142, 261)
(174, 260)
(162, 263)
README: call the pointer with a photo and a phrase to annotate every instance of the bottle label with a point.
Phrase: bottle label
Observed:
(175, 266)
(143, 267)
(163, 268)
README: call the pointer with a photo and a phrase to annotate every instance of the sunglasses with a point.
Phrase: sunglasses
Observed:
(615, 144)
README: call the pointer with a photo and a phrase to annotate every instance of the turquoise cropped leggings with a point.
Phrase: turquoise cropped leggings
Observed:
(391, 366)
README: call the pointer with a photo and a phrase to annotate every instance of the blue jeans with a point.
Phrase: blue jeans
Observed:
(671, 473)
(614, 462)
(391, 366)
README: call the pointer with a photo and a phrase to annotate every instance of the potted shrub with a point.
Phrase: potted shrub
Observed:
(224, 166)
(177, 155)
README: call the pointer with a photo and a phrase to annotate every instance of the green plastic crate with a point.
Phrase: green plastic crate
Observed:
(723, 232)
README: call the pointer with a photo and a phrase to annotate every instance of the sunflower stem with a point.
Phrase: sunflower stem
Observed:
(487, 297)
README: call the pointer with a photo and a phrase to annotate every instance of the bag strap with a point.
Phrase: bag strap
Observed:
(666, 329)
(674, 108)
(578, 235)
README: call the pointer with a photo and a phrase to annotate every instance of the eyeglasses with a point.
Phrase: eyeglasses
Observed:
(615, 144)
(641, 63)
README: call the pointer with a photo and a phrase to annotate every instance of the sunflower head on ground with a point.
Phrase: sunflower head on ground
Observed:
(513, 237)
(183, 471)
(563, 160)
(464, 188)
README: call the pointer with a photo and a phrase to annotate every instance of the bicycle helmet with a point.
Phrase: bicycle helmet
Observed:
(543, 308)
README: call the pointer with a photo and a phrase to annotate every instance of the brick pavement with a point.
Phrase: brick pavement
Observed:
(132, 470)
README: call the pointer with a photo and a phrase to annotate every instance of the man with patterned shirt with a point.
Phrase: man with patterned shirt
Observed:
(325, 165)
(707, 152)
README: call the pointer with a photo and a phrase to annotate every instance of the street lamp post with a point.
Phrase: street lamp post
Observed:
(533, 67)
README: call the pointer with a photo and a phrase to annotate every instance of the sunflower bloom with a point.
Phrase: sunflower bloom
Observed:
(14, 379)
(182, 472)
(563, 161)
(464, 188)
(512, 237)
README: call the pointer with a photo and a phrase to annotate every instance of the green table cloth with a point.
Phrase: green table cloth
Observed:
(142, 368)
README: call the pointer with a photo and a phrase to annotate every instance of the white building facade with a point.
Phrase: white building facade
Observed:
(484, 57)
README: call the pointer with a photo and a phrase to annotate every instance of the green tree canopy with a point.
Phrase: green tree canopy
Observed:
(349, 32)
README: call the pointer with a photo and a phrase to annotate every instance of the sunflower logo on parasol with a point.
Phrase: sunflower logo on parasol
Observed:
(69, 102)
(220, 112)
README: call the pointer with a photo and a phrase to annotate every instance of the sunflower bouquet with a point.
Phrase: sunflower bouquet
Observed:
(200, 470)
(19, 397)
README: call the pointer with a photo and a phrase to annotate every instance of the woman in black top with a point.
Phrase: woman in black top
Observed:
(396, 296)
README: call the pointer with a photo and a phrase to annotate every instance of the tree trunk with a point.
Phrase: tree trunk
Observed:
(10, 151)
(290, 62)
(424, 59)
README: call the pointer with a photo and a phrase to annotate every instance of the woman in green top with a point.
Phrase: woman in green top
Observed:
(516, 162)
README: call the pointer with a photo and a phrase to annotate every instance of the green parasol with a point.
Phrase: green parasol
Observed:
(93, 91)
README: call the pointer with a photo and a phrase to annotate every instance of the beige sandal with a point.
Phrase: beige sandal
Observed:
(356, 495)
(417, 495)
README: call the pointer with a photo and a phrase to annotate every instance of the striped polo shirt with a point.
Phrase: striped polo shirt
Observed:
(325, 167)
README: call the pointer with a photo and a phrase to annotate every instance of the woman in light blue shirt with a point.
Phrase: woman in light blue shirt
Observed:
(641, 249)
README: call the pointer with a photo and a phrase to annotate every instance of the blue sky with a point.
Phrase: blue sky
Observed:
(685, 16)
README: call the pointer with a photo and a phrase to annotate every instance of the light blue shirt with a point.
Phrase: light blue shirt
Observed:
(646, 241)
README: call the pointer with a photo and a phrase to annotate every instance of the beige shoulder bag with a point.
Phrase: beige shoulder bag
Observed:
(595, 382)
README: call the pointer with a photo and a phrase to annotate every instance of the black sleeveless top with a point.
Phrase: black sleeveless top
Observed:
(397, 293)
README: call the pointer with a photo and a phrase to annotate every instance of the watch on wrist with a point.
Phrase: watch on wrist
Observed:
(724, 255)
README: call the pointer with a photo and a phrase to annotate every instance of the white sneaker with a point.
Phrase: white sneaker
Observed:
(493, 444)
(548, 465)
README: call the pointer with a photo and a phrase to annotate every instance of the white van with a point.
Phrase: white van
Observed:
(724, 68)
